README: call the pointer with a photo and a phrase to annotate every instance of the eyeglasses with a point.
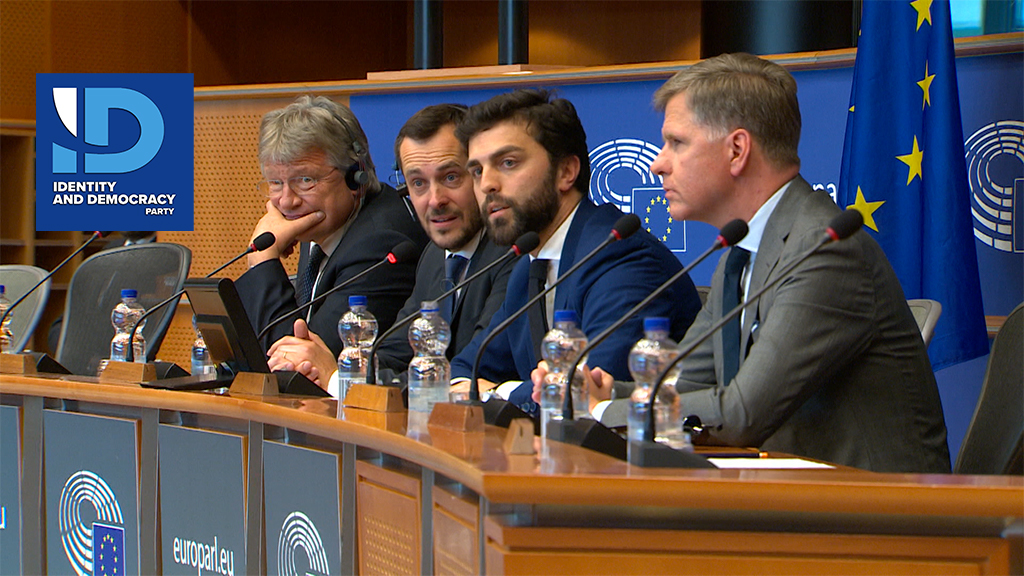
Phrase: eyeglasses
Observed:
(301, 185)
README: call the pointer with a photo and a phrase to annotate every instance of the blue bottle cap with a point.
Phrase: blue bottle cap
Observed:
(2, 289)
(429, 306)
(655, 324)
(356, 301)
(129, 293)
(566, 316)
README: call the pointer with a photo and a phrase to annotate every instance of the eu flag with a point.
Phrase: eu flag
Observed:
(903, 166)
(650, 205)
(107, 550)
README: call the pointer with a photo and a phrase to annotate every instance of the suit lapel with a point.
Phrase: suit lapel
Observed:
(569, 247)
(768, 253)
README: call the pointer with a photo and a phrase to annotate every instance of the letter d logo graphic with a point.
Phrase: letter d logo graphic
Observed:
(98, 103)
(114, 151)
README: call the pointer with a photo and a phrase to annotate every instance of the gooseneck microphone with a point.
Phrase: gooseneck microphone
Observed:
(258, 244)
(524, 244)
(94, 236)
(403, 252)
(624, 227)
(842, 226)
(729, 235)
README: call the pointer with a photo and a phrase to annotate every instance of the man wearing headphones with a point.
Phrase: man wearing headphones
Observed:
(322, 193)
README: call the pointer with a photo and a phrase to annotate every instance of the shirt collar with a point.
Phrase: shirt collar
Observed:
(468, 249)
(552, 249)
(755, 228)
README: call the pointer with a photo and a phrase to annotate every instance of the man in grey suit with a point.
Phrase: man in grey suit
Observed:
(829, 362)
(441, 191)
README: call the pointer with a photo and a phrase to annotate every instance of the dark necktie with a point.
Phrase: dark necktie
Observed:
(307, 276)
(731, 290)
(538, 312)
(453, 268)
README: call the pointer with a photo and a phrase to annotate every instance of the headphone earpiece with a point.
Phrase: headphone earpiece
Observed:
(356, 177)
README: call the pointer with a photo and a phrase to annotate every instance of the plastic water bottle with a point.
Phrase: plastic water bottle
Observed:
(429, 372)
(647, 360)
(201, 363)
(357, 329)
(6, 337)
(561, 349)
(124, 318)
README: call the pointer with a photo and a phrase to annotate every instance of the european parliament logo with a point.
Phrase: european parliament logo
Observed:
(95, 547)
(620, 174)
(114, 151)
(299, 543)
(995, 172)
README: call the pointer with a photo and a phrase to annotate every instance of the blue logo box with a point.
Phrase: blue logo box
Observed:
(114, 152)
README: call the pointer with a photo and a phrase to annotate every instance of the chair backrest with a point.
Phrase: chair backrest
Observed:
(993, 441)
(17, 280)
(926, 313)
(156, 270)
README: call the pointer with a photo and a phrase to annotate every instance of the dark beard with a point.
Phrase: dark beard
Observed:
(534, 214)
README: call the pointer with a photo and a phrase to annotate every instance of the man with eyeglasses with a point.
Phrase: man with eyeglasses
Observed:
(323, 194)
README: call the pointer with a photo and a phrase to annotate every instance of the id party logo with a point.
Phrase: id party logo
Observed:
(114, 152)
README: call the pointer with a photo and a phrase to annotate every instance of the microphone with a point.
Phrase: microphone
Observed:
(258, 244)
(500, 412)
(591, 433)
(94, 236)
(403, 252)
(842, 226)
(524, 244)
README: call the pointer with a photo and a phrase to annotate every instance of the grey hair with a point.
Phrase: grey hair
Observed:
(742, 91)
(316, 123)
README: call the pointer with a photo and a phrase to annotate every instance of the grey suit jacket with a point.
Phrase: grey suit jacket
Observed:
(835, 368)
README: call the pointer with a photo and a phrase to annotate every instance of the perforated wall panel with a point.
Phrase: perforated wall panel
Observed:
(24, 51)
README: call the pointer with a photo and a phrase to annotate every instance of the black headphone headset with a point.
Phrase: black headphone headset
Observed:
(355, 177)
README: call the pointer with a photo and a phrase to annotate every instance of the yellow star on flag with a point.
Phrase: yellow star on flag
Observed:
(913, 160)
(866, 209)
(924, 11)
(926, 85)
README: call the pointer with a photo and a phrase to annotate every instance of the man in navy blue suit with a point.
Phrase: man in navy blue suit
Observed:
(530, 168)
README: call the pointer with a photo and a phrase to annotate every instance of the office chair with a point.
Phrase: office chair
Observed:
(156, 270)
(993, 444)
(926, 313)
(17, 279)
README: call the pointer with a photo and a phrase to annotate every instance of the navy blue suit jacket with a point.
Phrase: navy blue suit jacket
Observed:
(601, 291)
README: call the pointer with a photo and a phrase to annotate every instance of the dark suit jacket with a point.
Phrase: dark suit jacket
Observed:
(836, 368)
(384, 220)
(611, 283)
(476, 303)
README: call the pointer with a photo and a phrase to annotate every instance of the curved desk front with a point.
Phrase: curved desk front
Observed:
(197, 483)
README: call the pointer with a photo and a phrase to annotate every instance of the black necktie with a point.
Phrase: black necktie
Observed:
(307, 276)
(734, 264)
(538, 312)
(453, 267)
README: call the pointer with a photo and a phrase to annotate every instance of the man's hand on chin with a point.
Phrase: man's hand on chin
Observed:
(286, 231)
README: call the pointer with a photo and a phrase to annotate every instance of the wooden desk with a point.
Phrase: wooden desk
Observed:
(424, 501)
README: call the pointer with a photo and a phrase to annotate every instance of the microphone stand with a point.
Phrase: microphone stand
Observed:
(649, 453)
(590, 433)
(500, 412)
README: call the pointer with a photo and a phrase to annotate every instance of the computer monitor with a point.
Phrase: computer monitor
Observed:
(231, 341)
